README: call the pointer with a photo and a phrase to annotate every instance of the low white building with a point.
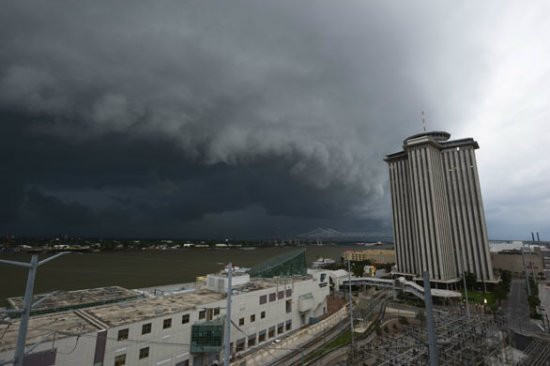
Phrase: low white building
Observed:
(158, 331)
(336, 278)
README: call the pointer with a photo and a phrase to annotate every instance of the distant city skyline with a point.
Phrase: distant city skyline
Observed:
(251, 120)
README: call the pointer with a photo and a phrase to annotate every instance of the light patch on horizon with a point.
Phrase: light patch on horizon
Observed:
(511, 121)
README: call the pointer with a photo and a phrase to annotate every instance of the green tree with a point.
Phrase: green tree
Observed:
(471, 280)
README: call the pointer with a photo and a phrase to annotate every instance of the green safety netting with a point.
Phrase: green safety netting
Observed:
(287, 264)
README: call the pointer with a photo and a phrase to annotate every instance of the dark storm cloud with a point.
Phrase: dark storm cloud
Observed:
(52, 210)
(122, 184)
(175, 117)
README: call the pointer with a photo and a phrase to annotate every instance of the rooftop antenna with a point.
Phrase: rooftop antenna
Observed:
(423, 122)
(227, 331)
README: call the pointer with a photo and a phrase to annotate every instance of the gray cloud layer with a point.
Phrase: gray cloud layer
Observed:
(193, 118)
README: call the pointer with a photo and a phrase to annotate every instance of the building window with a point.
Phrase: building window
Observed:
(251, 340)
(216, 311)
(271, 332)
(289, 292)
(252, 318)
(240, 345)
(288, 306)
(202, 314)
(143, 352)
(280, 295)
(262, 315)
(183, 363)
(241, 321)
(272, 297)
(288, 325)
(146, 328)
(120, 360)
(122, 334)
(280, 328)
(185, 319)
(261, 336)
(263, 299)
(166, 323)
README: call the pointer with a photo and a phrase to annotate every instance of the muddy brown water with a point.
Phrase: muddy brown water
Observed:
(135, 269)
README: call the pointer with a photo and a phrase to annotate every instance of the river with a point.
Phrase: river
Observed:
(135, 269)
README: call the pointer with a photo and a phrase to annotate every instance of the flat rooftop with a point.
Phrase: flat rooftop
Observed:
(66, 300)
(95, 318)
(44, 326)
(133, 311)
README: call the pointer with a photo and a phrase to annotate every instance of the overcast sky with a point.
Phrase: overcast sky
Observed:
(262, 119)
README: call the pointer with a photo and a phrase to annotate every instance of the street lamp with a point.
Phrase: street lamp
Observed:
(27, 303)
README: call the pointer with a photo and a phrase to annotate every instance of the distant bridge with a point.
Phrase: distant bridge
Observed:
(401, 284)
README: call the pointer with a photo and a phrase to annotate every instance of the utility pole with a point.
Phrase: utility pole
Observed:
(531, 259)
(227, 333)
(532, 268)
(525, 270)
(351, 310)
(27, 302)
(432, 344)
(464, 283)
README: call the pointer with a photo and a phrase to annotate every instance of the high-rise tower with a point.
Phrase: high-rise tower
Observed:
(438, 217)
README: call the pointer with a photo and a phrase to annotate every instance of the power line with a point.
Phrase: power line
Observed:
(5, 331)
(74, 348)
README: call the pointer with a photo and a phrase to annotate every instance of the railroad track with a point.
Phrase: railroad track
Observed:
(336, 352)
(324, 337)
(538, 353)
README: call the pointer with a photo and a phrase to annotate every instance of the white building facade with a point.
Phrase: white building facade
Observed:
(157, 331)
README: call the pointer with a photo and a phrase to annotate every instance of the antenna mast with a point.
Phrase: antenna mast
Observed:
(423, 122)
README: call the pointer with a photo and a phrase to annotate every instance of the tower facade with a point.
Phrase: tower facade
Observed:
(438, 218)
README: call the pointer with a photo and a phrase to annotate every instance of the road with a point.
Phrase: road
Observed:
(517, 309)
(544, 295)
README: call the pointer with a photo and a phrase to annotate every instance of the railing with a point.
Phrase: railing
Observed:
(401, 284)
